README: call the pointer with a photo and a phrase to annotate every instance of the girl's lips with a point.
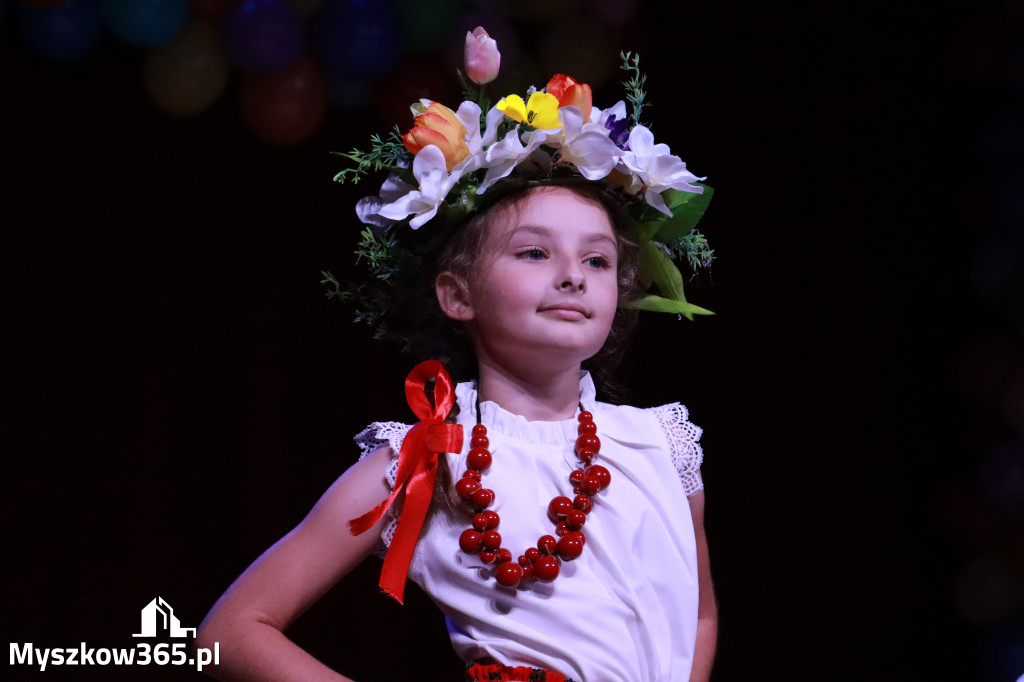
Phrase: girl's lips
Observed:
(566, 312)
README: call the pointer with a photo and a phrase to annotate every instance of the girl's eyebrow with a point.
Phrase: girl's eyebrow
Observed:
(544, 231)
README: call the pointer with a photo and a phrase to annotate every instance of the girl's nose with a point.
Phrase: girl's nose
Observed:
(573, 278)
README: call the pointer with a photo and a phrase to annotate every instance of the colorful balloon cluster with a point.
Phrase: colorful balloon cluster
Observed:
(288, 61)
(292, 58)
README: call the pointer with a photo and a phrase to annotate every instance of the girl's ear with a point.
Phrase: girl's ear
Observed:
(453, 297)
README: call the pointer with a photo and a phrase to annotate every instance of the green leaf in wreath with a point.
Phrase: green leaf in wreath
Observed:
(687, 209)
(660, 304)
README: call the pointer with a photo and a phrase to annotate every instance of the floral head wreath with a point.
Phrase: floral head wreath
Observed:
(440, 171)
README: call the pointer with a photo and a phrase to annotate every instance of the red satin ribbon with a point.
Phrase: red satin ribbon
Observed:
(417, 468)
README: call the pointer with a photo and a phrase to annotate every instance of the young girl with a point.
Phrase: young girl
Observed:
(562, 536)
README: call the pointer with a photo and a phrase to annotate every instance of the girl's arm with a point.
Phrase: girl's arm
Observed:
(707, 610)
(248, 621)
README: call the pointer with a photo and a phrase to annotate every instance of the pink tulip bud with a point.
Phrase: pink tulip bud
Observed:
(482, 56)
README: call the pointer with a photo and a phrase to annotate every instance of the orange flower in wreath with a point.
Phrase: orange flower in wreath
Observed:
(571, 94)
(438, 126)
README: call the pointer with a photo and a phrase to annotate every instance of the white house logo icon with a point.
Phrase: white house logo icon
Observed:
(158, 615)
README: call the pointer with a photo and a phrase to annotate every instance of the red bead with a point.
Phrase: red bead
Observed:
(480, 523)
(509, 574)
(559, 507)
(488, 556)
(547, 544)
(469, 541)
(504, 555)
(570, 546)
(585, 417)
(586, 427)
(473, 474)
(479, 442)
(523, 560)
(577, 476)
(588, 441)
(575, 519)
(478, 458)
(491, 540)
(561, 529)
(482, 497)
(527, 572)
(532, 554)
(492, 518)
(591, 485)
(603, 476)
(479, 430)
(583, 538)
(583, 503)
(586, 455)
(546, 568)
(465, 487)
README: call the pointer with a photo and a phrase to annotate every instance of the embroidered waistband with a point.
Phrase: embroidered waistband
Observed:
(479, 672)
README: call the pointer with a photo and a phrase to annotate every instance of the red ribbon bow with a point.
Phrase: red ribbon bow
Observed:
(417, 468)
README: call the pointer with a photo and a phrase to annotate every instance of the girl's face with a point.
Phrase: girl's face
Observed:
(546, 287)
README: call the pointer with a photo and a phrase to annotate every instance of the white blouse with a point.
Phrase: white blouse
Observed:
(626, 609)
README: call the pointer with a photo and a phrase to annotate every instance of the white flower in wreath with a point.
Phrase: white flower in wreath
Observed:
(504, 156)
(431, 172)
(477, 141)
(655, 169)
(586, 145)
(368, 208)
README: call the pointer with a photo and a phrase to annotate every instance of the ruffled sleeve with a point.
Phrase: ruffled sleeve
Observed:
(684, 447)
(369, 439)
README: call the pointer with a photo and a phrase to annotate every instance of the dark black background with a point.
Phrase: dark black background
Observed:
(182, 391)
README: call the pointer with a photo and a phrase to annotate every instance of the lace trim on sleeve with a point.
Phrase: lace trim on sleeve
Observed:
(682, 441)
(369, 439)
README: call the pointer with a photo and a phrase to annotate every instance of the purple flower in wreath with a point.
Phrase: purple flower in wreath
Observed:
(618, 131)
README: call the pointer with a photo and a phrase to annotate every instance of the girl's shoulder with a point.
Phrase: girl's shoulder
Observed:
(668, 427)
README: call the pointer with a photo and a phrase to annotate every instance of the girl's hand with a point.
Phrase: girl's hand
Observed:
(249, 619)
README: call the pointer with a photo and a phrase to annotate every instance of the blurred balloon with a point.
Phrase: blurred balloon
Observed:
(428, 24)
(65, 33)
(284, 108)
(210, 9)
(189, 74)
(263, 35)
(145, 23)
(358, 38)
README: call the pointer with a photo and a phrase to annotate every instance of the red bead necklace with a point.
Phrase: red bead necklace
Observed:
(542, 561)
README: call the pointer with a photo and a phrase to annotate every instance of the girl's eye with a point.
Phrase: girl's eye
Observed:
(598, 262)
(532, 254)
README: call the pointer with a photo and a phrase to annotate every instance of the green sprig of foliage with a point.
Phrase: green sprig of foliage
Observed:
(474, 93)
(694, 248)
(635, 93)
(389, 153)
(334, 289)
(380, 252)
